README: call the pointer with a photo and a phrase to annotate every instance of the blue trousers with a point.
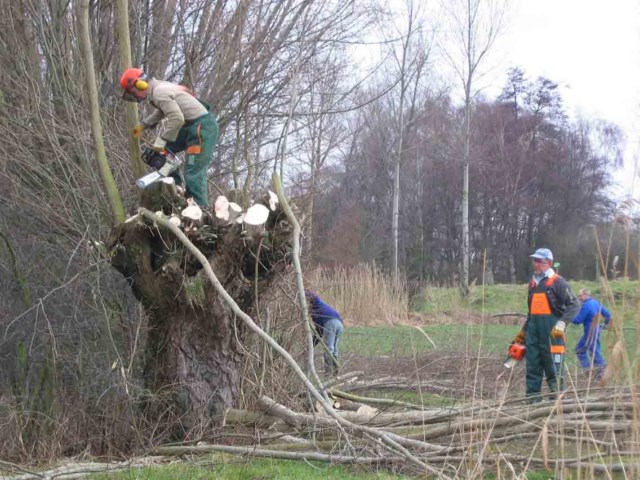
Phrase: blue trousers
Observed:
(332, 330)
(588, 349)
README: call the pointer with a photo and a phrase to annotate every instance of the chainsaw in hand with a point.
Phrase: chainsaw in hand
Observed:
(515, 353)
(164, 163)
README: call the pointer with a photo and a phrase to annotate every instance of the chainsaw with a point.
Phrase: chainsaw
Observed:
(515, 353)
(164, 163)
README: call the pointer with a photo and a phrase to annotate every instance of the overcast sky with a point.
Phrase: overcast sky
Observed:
(591, 48)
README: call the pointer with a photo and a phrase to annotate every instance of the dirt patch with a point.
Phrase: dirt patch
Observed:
(447, 374)
(443, 373)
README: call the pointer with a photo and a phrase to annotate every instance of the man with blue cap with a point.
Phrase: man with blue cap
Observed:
(551, 306)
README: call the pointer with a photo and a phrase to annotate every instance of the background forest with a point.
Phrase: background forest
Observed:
(372, 156)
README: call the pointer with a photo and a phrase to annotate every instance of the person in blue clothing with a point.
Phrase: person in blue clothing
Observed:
(329, 326)
(588, 348)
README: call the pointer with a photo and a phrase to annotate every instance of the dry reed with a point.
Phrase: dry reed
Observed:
(363, 294)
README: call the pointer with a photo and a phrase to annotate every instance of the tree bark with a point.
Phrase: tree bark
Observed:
(193, 343)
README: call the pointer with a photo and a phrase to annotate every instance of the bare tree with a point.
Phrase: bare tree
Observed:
(131, 109)
(403, 64)
(475, 25)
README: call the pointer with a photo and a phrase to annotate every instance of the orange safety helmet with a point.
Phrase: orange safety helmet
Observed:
(133, 78)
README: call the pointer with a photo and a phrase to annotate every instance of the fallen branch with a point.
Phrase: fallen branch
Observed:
(375, 401)
(509, 314)
(342, 379)
(249, 418)
(258, 452)
(82, 470)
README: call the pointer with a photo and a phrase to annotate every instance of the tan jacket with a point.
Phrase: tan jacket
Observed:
(173, 102)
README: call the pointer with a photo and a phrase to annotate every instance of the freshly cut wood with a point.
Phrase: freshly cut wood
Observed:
(192, 215)
(256, 215)
(346, 405)
(235, 211)
(192, 211)
(221, 207)
(171, 190)
(273, 200)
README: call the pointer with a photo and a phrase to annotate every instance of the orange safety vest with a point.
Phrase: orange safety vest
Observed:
(539, 303)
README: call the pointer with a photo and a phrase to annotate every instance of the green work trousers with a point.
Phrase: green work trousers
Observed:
(198, 138)
(539, 358)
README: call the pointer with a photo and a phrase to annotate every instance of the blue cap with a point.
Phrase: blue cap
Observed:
(542, 254)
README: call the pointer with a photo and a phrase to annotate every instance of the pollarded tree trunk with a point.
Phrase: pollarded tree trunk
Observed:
(192, 351)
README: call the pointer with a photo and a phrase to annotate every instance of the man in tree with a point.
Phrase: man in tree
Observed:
(551, 306)
(588, 347)
(328, 325)
(190, 126)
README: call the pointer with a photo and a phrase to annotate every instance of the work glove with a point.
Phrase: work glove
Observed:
(520, 337)
(558, 329)
(137, 130)
(159, 145)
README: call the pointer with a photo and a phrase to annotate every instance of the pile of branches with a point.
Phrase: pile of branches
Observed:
(574, 431)
(577, 430)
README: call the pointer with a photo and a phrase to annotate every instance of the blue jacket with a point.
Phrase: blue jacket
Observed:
(320, 311)
(590, 310)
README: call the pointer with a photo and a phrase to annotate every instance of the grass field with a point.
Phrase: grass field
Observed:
(220, 468)
(268, 470)
(490, 340)
(513, 298)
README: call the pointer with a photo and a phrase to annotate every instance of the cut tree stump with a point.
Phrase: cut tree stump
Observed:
(192, 347)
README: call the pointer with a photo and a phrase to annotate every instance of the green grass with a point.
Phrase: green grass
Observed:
(474, 340)
(417, 398)
(405, 341)
(502, 298)
(490, 338)
(219, 468)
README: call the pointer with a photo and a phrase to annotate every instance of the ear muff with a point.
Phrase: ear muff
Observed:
(141, 85)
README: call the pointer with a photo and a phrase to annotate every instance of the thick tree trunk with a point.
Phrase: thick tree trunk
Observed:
(191, 361)
(192, 349)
